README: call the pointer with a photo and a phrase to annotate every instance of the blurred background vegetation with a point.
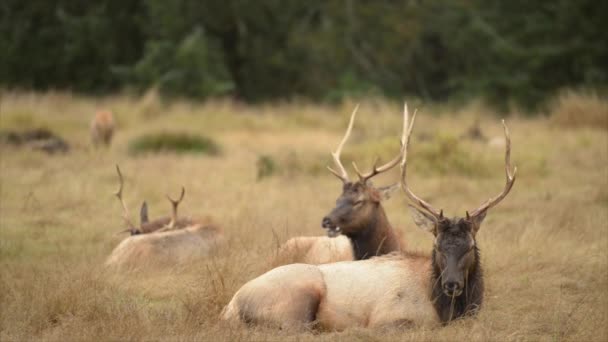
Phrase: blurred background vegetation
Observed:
(506, 52)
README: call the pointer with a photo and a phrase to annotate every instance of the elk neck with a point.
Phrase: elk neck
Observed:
(375, 237)
(468, 303)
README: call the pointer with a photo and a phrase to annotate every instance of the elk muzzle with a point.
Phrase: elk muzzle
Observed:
(452, 280)
(336, 219)
(332, 229)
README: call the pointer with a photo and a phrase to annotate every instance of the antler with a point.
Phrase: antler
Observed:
(125, 215)
(175, 203)
(405, 141)
(510, 178)
(378, 170)
(343, 175)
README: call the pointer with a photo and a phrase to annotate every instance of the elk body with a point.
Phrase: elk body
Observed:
(398, 289)
(165, 241)
(102, 128)
(358, 216)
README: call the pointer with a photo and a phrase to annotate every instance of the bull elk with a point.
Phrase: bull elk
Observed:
(146, 226)
(166, 240)
(399, 289)
(102, 128)
(358, 215)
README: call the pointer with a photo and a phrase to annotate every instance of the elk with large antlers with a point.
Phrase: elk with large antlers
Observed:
(358, 215)
(393, 290)
(166, 240)
(146, 226)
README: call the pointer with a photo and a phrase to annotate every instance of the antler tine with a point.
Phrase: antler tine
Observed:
(510, 178)
(175, 204)
(378, 170)
(125, 215)
(405, 141)
(343, 175)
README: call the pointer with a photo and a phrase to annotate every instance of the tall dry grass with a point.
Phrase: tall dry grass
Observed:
(544, 249)
(573, 109)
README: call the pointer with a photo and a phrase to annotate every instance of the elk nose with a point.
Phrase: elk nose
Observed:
(451, 286)
(326, 223)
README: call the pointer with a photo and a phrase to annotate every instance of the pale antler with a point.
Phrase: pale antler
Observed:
(343, 175)
(405, 141)
(510, 178)
(125, 215)
(378, 170)
(175, 203)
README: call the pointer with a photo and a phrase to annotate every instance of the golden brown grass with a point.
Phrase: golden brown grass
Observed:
(544, 249)
(573, 109)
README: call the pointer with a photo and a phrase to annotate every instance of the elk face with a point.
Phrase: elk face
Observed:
(355, 207)
(454, 251)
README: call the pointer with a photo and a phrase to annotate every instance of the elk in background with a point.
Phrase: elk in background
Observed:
(358, 216)
(102, 128)
(165, 241)
(395, 290)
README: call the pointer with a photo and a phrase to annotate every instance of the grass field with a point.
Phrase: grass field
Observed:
(544, 248)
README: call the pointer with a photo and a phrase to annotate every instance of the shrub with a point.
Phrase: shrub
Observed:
(445, 155)
(174, 142)
(266, 167)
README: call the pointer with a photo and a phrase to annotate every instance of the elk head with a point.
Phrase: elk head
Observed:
(455, 255)
(359, 199)
(147, 226)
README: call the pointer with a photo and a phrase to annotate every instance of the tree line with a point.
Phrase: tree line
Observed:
(512, 51)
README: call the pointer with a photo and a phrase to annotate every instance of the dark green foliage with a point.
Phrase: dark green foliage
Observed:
(174, 142)
(505, 51)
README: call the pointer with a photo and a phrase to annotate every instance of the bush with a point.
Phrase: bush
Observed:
(445, 155)
(174, 142)
(266, 166)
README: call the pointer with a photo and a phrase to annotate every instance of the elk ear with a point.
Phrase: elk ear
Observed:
(386, 192)
(143, 213)
(476, 220)
(423, 220)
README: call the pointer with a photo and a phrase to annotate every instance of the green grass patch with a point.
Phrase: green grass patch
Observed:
(174, 142)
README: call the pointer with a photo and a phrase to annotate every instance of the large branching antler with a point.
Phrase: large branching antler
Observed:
(364, 177)
(343, 175)
(125, 214)
(175, 204)
(510, 178)
(405, 141)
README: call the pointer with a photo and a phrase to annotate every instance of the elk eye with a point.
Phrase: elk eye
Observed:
(358, 202)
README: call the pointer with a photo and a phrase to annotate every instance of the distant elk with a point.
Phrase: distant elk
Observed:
(358, 216)
(165, 241)
(102, 128)
(396, 290)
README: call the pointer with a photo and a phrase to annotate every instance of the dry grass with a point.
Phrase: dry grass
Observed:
(579, 109)
(545, 248)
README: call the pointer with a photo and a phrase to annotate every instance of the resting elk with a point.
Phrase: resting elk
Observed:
(102, 128)
(357, 228)
(399, 289)
(164, 241)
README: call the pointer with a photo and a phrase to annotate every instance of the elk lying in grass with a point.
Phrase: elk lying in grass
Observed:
(102, 128)
(358, 215)
(146, 226)
(164, 241)
(398, 289)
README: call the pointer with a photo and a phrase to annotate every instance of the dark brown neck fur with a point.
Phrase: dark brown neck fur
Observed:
(376, 237)
(468, 303)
